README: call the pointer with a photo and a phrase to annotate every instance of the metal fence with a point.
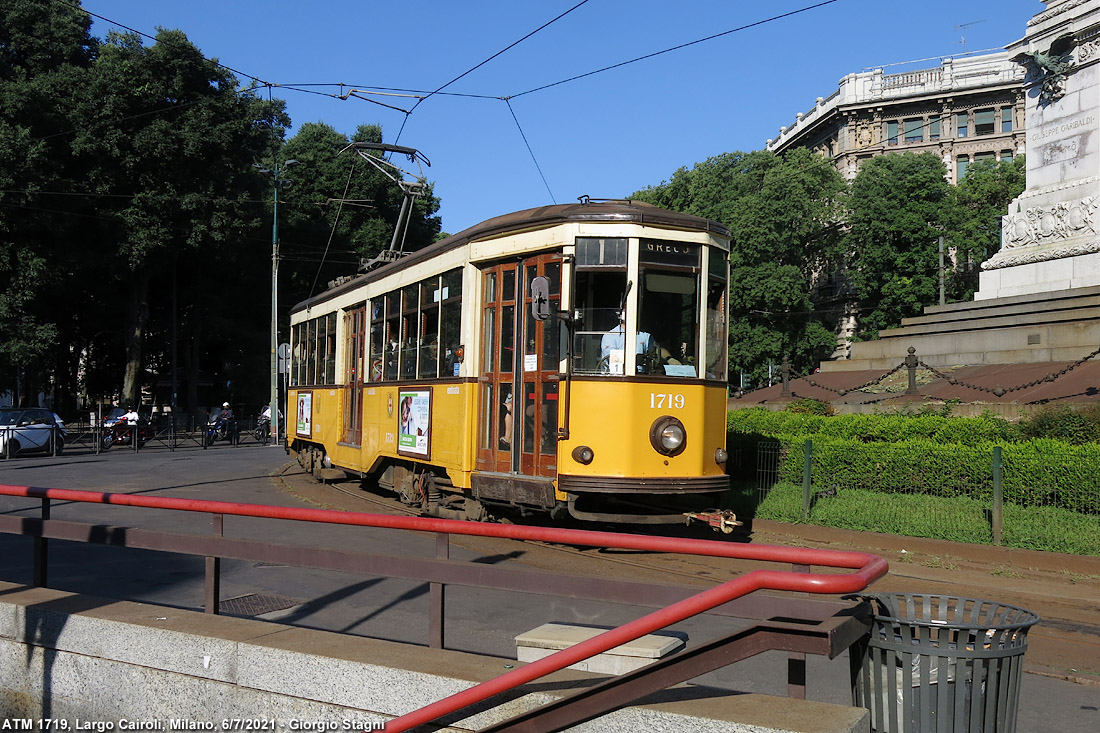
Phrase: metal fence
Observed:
(1019, 495)
(162, 431)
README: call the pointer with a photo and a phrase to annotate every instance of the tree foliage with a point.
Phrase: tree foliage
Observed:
(980, 200)
(135, 230)
(898, 207)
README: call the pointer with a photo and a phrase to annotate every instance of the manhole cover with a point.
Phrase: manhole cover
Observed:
(256, 604)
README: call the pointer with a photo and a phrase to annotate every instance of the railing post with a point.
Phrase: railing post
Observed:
(41, 551)
(437, 595)
(998, 495)
(807, 477)
(213, 571)
(796, 661)
(911, 362)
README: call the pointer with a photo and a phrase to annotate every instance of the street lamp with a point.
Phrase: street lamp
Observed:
(276, 174)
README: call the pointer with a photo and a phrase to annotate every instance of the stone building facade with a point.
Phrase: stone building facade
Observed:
(965, 110)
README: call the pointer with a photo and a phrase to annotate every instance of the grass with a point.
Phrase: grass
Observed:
(959, 519)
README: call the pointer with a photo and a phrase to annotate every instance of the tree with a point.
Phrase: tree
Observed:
(171, 137)
(45, 53)
(981, 198)
(898, 207)
(782, 214)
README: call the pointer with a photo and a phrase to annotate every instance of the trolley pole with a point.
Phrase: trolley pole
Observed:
(274, 397)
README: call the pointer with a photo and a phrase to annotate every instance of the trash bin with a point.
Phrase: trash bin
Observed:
(940, 663)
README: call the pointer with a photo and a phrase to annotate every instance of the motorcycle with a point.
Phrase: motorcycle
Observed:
(263, 425)
(119, 428)
(220, 426)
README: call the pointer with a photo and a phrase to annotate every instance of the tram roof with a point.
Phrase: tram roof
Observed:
(629, 211)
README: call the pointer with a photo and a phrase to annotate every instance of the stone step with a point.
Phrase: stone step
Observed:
(549, 638)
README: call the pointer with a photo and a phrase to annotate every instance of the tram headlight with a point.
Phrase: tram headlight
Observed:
(668, 436)
(721, 456)
(583, 454)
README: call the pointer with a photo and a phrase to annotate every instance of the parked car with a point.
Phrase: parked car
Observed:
(30, 430)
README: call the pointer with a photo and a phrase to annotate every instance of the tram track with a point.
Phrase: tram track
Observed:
(703, 574)
(1065, 645)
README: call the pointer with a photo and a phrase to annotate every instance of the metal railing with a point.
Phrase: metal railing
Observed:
(171, 432)
(828, 627)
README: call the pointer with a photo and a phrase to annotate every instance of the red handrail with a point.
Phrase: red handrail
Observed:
(867, 567)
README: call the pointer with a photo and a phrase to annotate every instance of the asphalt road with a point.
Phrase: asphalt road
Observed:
(479, 621)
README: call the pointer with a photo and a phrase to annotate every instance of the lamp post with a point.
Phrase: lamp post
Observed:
(276, 174)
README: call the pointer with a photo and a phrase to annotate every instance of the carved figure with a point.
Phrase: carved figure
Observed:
(1051, 66)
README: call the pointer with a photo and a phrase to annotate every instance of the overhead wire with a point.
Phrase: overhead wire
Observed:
(675, 48)
(482, 63)
(335, 222)
(532, 152)
(367, 89)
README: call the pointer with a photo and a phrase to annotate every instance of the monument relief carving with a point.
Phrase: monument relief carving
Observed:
(1042, 225)
(1088, 51)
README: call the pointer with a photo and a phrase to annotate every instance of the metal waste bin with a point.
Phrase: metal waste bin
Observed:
(940, 663)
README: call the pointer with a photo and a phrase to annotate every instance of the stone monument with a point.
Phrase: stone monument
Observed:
(1038, 298)
(1050, 239)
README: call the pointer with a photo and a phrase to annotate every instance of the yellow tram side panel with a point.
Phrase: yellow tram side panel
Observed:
(614, 418)
(450, 436)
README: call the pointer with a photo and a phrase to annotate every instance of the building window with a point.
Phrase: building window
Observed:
(1006, 119)
(934, 128)
(892, 132)
(985, 122)
(914, 130)
(961, 164)
(961, 124)
(1006, 156)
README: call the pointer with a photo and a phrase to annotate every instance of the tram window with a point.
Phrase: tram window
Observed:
(450, 337)
(329, 376)
(548, 445)
(598, 310)
(393, 333)
(429, 329)
(601, 251)
(311, 352)
(296, 352)
(377, 339)
(717, 327)
(668, 312)
(410, 331)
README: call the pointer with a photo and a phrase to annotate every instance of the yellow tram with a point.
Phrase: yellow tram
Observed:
(569, 358)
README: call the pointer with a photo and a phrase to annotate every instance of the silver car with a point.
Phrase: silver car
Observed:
(30, 430)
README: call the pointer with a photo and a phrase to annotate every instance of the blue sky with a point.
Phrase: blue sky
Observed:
(606, 135)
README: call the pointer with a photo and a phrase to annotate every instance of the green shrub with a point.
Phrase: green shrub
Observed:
(809, 406)
(1062, 422)
(875, 428)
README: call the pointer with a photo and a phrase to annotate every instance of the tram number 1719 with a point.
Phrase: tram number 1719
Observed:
(666, 401)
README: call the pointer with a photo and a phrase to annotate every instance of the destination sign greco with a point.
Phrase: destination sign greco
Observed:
(669, 253)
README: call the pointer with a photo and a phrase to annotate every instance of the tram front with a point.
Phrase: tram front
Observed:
(644, 437)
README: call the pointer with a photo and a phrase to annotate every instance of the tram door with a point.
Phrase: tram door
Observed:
(519, 373)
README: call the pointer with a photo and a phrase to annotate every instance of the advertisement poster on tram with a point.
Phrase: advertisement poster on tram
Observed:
(414, 420)
(305, 414)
